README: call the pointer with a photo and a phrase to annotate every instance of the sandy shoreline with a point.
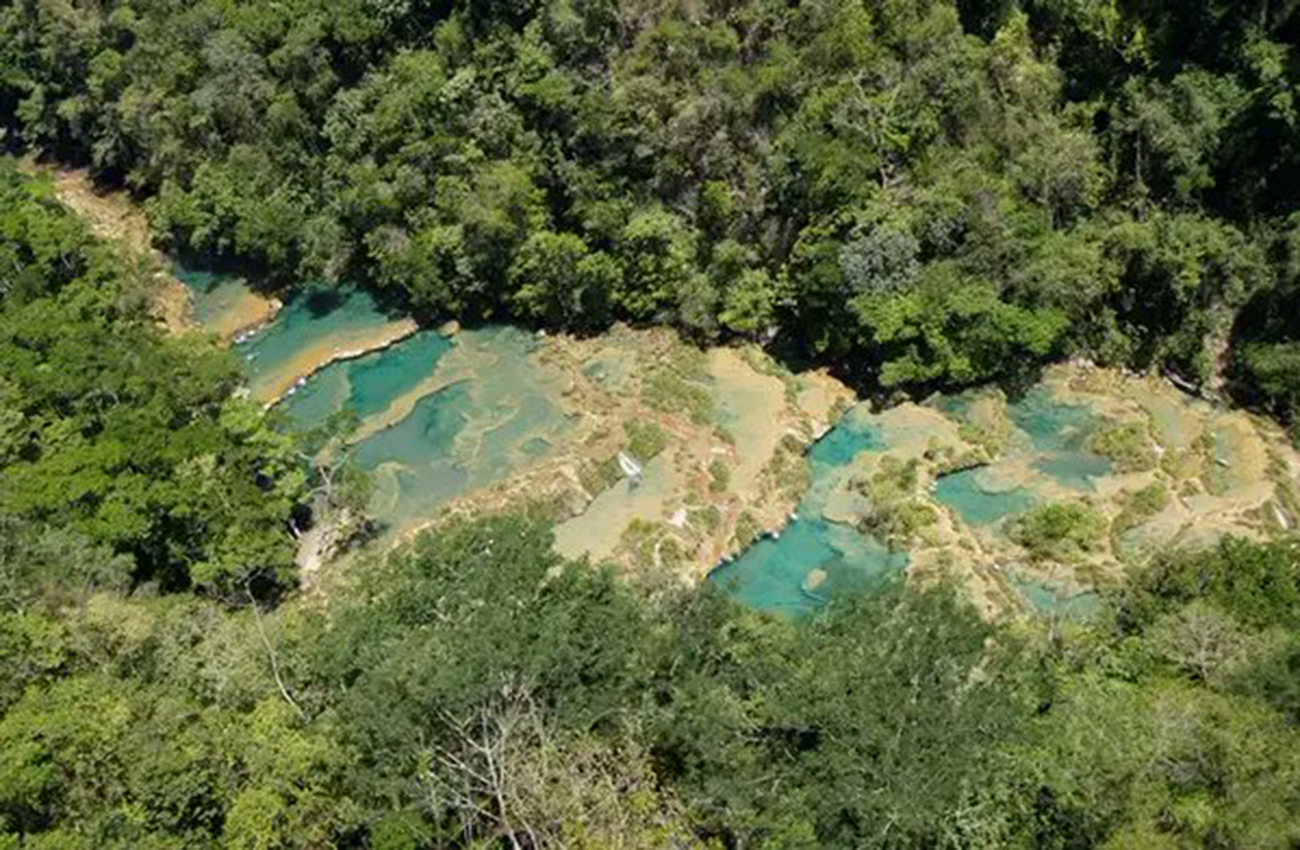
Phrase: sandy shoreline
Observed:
(114, 216)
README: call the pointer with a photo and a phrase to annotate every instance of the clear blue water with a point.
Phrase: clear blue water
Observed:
(771, 574)
(313, 317)
(368, 384)
(1055, 437)
(213, 295)
(1059, 432)
(852, 435)
(1052, 425)
(497, 414)
(976, 505)
(426, 434)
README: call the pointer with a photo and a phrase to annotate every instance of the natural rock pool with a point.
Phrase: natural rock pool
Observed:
(732, 484)
(798, 568)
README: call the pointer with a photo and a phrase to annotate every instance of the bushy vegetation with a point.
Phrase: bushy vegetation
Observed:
(916, 191)
(1140, 506)
(645, 439)
(1127, 444)
(896, 515)
(478, 691)
(118, 443)
(1062, 532)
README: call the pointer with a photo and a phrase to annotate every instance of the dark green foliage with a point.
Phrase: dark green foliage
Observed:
(1267, 367)
(890, 739)
(894, 719)
(1259, 585)
(1173, 721)
(118, 437)
(921, 192)
(1061, 532)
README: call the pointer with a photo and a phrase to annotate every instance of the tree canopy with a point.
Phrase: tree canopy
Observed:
(984, 184)
(919, 193)
(117, 437)
(477, 690)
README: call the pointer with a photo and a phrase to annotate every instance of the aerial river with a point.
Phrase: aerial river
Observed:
(767, 483)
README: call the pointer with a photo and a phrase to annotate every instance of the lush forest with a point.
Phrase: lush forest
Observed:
(162, 686)
(918, 192)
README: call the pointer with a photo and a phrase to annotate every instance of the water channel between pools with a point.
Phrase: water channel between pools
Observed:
(443, 416)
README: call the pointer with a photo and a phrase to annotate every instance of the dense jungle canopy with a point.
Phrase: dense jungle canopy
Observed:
(920, 192)
(917, 193)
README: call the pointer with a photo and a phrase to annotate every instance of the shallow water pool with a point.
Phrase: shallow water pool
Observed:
(430, 432)
(1051, 439)
(369, 384)
(1078, 607)
(314, 325)
(1059, 433)
(496, 412)
(214, 297)
(977, 504)
(777, 574)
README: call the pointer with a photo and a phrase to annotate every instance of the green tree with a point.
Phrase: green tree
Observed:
(561, 282)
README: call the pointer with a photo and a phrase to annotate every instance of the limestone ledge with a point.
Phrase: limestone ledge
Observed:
(288, 380)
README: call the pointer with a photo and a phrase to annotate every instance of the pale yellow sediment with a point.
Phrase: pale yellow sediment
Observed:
(597, 530)
(820, 395)
(250, 311)
(270, 388)
(911, 429)
(759, 422)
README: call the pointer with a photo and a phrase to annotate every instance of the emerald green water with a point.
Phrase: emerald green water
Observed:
(771, 574)
(487, 414)
(311, 318)
(1051, 439)
(212, 295)
(491, 409)
(977, 504)
(1044, 600)
(1059, 432)
(369, 384)
(1051, 436)
(496, 415)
